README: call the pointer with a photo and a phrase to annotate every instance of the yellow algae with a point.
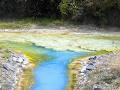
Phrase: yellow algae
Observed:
(21, 42)
(75, 42)
(26, 80)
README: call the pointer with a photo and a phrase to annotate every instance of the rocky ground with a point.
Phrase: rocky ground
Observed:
(99, 73)
(11, 70)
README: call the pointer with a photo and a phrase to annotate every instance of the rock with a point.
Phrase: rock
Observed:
(25, 62)
(7, 66)
(83, 69)
(90, 67)
(14, 58)
(20, 59)
(93, 58)
(91, 64)
(97, 89)
(11, 70)
(23, 66)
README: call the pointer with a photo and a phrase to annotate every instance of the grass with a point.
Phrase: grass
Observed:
(28, 22)
(46, 22)
(17, 24)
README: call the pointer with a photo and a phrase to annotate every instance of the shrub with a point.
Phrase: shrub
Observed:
(69, 8)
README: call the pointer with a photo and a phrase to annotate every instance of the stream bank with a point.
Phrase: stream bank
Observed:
(12, 70)
(98, 73)
(40, 46)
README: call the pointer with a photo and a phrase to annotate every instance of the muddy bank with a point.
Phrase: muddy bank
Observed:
(99, 73)
(11, 71)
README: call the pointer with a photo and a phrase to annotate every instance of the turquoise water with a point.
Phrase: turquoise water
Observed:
(53, 73)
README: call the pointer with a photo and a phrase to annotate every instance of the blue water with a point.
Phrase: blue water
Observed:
(53, 73)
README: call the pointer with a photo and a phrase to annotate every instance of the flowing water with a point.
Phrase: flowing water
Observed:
(51, 73)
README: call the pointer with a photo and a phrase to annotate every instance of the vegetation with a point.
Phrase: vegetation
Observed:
(29, 22)
(93, 11)
(105, 12)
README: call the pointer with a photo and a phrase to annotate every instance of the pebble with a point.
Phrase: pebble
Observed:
(20, 60)
(25, 62)
(11, 71)
(14, 59)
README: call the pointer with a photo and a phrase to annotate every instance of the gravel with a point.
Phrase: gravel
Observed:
(11, 71)
(101, 73)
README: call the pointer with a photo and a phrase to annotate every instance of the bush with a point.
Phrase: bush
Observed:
(96, 11)
(69, 8)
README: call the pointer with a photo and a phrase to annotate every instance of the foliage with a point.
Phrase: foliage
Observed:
(29, 23)
(69, 8)
(95, 11)
(29, 8)
(98, 11)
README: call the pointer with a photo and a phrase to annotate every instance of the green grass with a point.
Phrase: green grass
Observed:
(28, 22)
(17, 24)
(49, 21)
